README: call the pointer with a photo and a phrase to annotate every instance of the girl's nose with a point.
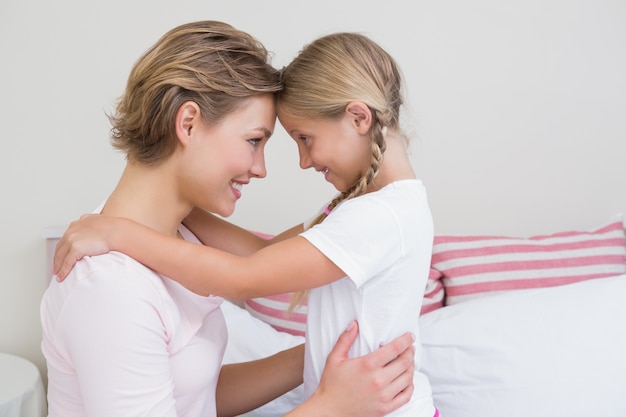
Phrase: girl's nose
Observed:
(305, 159)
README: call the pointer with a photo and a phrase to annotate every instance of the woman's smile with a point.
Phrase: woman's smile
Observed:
(236, 188)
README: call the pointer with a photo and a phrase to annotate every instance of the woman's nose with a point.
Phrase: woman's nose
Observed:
(258, 167)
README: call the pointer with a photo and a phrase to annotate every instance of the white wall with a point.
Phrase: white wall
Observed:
(518, 115)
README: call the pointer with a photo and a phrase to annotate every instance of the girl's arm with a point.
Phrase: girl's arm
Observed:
(289, 265)
(221, 234)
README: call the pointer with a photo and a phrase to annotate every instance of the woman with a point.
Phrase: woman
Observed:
(121, 339)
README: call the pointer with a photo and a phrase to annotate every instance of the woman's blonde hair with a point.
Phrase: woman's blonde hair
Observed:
(208, 62)
(326, 76)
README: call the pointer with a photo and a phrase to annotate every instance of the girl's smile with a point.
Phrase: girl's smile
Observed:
(333, 147)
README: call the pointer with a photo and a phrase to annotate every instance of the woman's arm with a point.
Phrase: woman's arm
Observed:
(286, 266)
(127, 345)
(245, 386)
(373, 385)
(220, 234)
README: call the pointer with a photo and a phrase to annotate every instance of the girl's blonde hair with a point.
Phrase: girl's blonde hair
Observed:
(326, 76)
(208, 62)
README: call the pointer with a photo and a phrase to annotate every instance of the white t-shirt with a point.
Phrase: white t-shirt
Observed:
(121, 340)
(383, 242)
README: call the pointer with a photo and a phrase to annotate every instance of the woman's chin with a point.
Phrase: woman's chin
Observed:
(226, 211)
(222, 211)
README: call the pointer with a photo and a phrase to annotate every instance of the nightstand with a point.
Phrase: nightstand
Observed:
(21, 389)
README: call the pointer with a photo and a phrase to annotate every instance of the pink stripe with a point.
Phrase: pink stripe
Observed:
(440, 240)
(435, 293)
(618, 225)
(283, 298)
(517, 284)
(525, 266)
(294, 332)
(437, 288)
(442, 255)
(434, 274)
(276, 313)
(427, 308)
(606, 229)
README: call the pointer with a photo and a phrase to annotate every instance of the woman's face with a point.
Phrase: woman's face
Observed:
(332, 147)
(222, 158)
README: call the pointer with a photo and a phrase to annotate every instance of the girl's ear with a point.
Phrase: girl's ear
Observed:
(187, 118)
(360, 115)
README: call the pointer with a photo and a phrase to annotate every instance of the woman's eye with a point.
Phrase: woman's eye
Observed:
(255, 142)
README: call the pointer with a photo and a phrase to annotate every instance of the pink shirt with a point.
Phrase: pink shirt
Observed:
(121, 340)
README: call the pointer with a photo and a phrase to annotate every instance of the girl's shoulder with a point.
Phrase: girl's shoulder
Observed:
(414, 184)
(398, 193)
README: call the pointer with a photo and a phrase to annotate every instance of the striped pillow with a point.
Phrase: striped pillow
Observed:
(273, 311)
(434, 293)
(473, 266)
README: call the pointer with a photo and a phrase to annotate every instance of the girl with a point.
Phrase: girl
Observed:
(365, 257)
(121, 339)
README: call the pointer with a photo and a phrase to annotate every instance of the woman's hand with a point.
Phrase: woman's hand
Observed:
(372, 385)
(88, 236)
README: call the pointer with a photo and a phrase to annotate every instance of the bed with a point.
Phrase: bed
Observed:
(509, 326)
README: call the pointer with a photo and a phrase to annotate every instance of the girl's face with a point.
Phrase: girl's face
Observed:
(220, 159)
(333, 147)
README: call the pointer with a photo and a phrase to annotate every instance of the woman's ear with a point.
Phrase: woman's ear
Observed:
(187, 117)
(360, 116)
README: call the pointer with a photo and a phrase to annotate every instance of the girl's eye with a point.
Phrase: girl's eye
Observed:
(304, 139)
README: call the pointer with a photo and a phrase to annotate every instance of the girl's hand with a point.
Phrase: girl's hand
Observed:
(372, 385)
(88, 236)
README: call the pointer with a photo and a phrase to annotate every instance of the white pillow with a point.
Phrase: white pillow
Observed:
(250, 338)
(558, 351)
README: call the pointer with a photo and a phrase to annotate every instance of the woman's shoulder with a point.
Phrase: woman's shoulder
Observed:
(100, 283)
(117, 272)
